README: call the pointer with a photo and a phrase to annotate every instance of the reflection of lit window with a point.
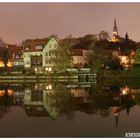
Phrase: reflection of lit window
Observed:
(1, 64)
(49, 87)
(10, 92)
(2, 92)
(35, 69)
(50, 69)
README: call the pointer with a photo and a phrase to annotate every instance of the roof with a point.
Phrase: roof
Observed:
(14, 49)
(76, 52)
(31, 43)
(82, 45)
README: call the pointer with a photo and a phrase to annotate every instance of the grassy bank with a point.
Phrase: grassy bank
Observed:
(122, 74)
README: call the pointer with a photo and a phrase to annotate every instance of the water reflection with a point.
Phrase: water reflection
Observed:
(56, 100)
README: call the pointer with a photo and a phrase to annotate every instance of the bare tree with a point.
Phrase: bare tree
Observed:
(4, 53)
(103, 35)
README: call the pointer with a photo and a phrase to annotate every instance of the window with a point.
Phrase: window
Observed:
(56, 55)
(49, 54)
(46, 53)
(27, 62)
(55, 45)
(49, 45)
(17, 56)
(38, 47)
(26, 48)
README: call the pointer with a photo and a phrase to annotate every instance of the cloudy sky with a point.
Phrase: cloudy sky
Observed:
(20, 21)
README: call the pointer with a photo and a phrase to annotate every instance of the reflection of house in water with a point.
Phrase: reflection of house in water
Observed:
(116, 112)
(80, 93)
(40, 100)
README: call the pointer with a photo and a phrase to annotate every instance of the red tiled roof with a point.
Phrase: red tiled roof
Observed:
(77, 52)
(14, 49)
(31, 43)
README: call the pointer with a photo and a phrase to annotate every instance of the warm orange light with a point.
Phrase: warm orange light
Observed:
(10, 92)
(125, 91)
(49, 87)
(10, 64)
(1, 64)
(2, 92)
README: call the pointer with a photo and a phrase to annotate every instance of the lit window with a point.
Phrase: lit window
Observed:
(27, 48)
(38, 47)
(17, 56)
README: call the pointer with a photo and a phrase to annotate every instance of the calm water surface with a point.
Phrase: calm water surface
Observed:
(68, 110)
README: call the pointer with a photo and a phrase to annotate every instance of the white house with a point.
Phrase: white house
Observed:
(37, 53)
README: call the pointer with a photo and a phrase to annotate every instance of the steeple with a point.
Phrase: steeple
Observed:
(115, 29)
(116, 120)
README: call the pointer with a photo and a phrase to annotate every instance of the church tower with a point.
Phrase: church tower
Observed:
(115, 35)
(115, 29)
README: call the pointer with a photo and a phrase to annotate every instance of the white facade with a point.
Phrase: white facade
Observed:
(45, 53)
(52, 45)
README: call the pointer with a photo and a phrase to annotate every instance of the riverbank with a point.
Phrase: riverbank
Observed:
(61, 77)
(122, 74)
(116, 75)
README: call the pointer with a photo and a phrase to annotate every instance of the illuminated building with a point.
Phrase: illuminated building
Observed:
(38, 54)
(115, 37)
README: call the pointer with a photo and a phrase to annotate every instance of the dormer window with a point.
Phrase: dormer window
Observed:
(38, 47)
(17, 56)
(27, 48)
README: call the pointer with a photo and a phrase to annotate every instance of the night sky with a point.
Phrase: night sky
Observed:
(20, 21)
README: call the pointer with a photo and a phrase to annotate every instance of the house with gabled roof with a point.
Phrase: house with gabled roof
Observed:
(37, 53)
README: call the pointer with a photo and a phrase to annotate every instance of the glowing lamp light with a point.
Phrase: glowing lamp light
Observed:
(36, 86)
(10, 64)
(50, 69)
(46, 69)
(35, 69)
(123, 59)
(2, 92)
(10, 92)
(124, 92)
(49, 87)
(1, 64)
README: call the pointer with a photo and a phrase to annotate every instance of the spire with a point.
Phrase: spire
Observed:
(116, 120)
(115, 29)
(128, 110)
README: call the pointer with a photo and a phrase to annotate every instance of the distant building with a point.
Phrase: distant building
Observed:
(115, 37)
(80, 56)
(13, 49)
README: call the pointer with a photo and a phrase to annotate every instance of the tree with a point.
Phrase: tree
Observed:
(103, 35)
(5, 57)
(95, 59)
(137, 57)
(4, 53)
